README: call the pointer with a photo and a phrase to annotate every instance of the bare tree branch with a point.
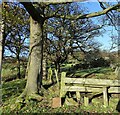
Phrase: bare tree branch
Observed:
(32, 11)
(56, 3)
(109, 14)
(83, 16)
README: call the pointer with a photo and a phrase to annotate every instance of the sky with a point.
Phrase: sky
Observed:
(104, 39)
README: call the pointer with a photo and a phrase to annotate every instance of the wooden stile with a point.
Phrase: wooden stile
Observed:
(62, 92)
(90, 81)
(105, 96)
(88, 85)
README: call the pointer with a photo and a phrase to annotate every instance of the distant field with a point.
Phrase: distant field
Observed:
(99, 73)
(9, 71)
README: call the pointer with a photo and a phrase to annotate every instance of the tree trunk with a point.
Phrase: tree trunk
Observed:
(4, 34)
(34, 79)
(18, 67)
(28, 65)
(57, 66)
(44, 52)
(1, 39)
(44, 67)
(3, 47)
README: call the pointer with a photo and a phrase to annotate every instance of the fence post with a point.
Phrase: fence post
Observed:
(50, 73)
(105, 96)
(86, 101)
(56, 75)
(62, 92)
(78, 96)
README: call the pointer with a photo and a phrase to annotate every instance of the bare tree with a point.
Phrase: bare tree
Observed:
(16, 31)
(37, 12)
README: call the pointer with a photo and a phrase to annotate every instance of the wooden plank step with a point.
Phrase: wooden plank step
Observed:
(90, 81)
(90, 89)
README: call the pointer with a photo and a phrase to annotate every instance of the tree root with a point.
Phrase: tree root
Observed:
(21, 98)
(26, 98)
(22, 101)
(35, 97)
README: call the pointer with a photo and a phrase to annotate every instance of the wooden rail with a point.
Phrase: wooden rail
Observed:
(88, 85)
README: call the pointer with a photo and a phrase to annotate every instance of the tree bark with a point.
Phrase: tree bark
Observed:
(18, 67)
(28, 65)
(44, 52)
(44, 67)
(34, 79)
(1, 39)
(57, 66)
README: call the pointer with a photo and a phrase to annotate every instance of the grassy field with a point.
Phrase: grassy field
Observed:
(98, 73)
(9, 71)
(12, 89)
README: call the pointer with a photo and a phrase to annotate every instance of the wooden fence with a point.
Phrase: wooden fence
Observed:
(88, 85)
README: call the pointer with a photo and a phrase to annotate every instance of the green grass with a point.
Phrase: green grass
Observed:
(9, 70)
(97, 106)
(98, 73)
(12, 89)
